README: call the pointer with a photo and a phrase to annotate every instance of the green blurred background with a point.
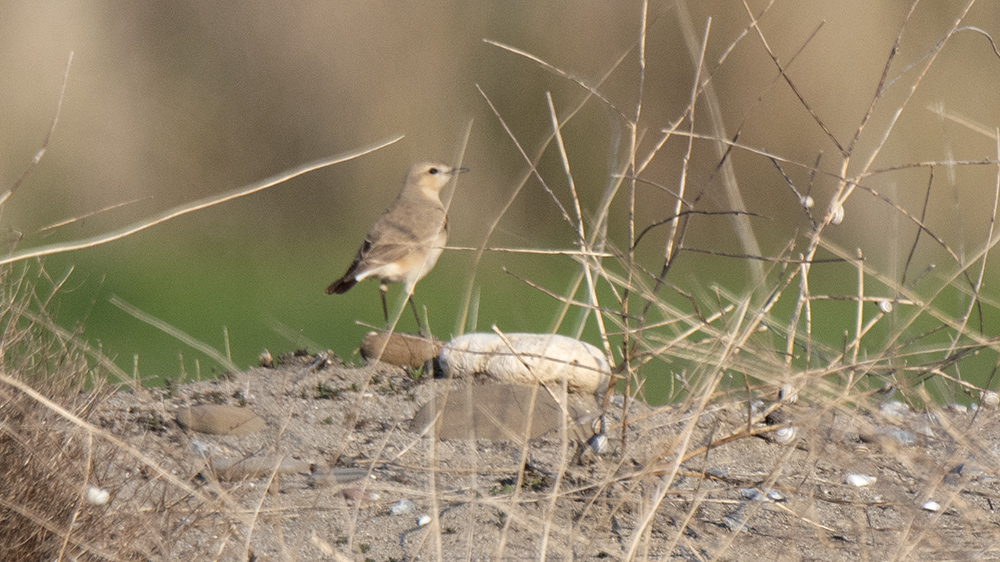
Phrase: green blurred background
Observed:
(169, 102)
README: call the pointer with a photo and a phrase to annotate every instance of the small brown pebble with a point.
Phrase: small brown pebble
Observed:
(220, 420)
(354, 494)
(265, 359)
(403, 350)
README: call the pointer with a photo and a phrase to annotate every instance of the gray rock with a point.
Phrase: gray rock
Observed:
(496, 411)
(902, 436)
(402, 507)
(230, 469)
(735, 521)
(337, 476)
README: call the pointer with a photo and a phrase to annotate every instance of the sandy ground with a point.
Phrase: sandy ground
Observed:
(340, 472)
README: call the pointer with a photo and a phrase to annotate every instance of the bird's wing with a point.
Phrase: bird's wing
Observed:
(399, 232)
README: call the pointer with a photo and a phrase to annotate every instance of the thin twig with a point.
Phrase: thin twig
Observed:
(63, 247)
(48, 136)
(470, 286)
(176, 333)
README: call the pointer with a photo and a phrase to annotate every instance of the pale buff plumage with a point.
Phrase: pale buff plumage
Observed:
(406, 241)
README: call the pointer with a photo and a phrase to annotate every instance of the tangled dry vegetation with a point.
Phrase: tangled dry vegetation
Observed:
(344, 466)
(49, 454)
(779, 442)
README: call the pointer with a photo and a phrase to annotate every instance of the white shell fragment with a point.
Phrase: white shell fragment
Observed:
(991, 399)
(885, 306)
(785, 435)
(97, 496)
(528, 359)
(787, 393)
(838, 213)
(860, 480)
(931, 505)
(423, 520)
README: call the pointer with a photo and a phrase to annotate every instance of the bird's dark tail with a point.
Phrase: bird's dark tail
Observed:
(341, 285)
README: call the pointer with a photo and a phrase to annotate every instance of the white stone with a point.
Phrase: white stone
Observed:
(860, 480)
(97, 496)
(528, 359)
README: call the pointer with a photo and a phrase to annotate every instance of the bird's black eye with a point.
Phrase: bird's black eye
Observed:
(433, 171)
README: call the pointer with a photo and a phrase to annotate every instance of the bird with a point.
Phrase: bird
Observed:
(409, 237)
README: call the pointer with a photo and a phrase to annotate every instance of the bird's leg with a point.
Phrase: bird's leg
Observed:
(429, 364)
(382, 288)
(420, 327)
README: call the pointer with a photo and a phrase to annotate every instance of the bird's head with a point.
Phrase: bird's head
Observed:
(431, 177)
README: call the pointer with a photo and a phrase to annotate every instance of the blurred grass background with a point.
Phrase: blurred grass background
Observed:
(170, 102)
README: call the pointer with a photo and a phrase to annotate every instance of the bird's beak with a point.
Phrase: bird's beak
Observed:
(456, 171)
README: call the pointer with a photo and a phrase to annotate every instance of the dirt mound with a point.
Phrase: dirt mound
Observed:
(341, 471)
